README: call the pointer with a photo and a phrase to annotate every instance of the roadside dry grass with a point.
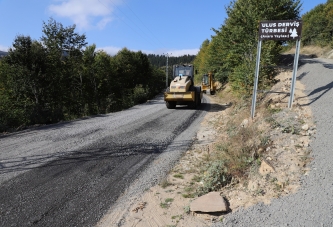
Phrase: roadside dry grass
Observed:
(315, 51)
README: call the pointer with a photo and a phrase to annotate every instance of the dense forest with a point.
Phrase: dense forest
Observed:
(318, 25)
(160, 60)
(2, 54)
(60, 77)
(231, 52)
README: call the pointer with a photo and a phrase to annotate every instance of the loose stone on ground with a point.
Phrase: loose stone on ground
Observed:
(211, 202)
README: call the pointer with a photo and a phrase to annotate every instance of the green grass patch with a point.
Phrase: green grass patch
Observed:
(196, 178)
(168, 200)
(166, 203)
(188, 195)
(178, 175)
(165, 183)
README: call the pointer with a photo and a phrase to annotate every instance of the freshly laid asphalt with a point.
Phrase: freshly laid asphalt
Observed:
(71, 173)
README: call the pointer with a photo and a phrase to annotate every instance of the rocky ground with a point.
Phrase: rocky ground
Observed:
(277, 173)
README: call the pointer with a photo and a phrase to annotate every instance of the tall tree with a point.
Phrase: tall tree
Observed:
(318, 25)
(236, 40)
(23, 77)
(200, 61)
(64, 58)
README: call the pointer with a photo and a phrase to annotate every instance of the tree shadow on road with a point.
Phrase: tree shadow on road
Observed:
(214, 107)
(86, 155)
(300, 77)
(53, 126)
(322, 90)
(306, 59)
(329, 66)
(208, 107)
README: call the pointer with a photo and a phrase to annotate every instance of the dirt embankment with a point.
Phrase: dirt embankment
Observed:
(314, 51)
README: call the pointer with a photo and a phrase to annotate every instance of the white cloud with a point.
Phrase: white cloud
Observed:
(85, 14)
(178, 53)
(110, 50)
(174, 53)
(4, 48)
(101, 24)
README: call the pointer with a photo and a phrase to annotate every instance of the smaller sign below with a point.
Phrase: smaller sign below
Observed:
(280, 30)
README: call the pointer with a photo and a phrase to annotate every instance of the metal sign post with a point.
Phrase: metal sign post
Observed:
(255, 87)
(277, 30)
(167, 69)
(293, 81)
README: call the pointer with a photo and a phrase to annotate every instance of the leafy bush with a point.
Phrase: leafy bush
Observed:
(241, 80)
(215, 177)
(140, 94)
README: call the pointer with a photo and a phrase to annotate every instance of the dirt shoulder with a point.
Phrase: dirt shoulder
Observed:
(283, 160)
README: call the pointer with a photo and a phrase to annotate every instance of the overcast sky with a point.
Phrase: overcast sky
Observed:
(176, 27)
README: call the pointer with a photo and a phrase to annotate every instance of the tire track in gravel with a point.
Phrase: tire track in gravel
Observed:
(70, 174)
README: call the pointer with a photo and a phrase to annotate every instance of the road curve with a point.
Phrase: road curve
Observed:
(71, 173)
(312, 205)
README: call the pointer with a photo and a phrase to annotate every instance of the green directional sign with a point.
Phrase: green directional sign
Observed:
(280, 30)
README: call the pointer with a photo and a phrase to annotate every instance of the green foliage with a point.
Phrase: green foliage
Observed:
(23, 80)
(57, 79)
(187, 209)
(178, 175)
(176, 217)
(196, 178)
(140, 94)
(160, 60)
(168, 200)
(200, 62)
(241, 79)
(188, 195)
(165, 183)
(318, 25)
(189, 192)
(215, 177)
(166, 203)
(231, 53)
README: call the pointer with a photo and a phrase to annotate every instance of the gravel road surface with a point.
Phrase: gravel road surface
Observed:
(72, 173)
(312, 205)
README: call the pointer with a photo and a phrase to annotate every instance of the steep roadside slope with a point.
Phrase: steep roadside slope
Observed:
(312, 205)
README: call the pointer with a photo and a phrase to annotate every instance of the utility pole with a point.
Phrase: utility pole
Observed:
(167, 69)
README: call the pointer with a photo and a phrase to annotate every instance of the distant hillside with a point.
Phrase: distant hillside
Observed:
(160, 60)
(2, 53)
